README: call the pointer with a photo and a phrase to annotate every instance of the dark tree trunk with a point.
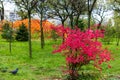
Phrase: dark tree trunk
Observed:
(89, 19)
(118, 40)
(63, 33)
(29, 32)
(76, 22)
(2, 11)
(42, 33)
(90, 9)
(71, 22)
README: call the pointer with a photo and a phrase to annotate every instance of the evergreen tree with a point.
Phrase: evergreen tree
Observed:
(22, 33)
(7, 32)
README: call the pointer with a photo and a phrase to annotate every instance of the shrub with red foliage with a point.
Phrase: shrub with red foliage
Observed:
(79, 48)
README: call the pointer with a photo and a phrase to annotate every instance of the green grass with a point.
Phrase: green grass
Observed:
(44, 65)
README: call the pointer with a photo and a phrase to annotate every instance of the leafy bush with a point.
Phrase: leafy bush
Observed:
(80, 48)
(22, 33)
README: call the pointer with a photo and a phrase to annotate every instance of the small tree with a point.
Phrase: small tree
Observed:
(22, 33)
(7, 33)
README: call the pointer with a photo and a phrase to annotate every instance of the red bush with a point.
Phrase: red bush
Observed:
(79, 48)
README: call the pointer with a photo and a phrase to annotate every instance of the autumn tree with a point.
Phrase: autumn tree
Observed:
(28, 6)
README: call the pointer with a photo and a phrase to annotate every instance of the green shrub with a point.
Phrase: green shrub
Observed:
(22, 33)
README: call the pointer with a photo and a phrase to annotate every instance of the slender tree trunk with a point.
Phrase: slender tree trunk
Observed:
(42, 33)
(2, 11)
(118, 40)
(29, 36)
(63, 33)
(10, 42)
(71, 22)
(89, 15)
(89, 19)
(90, 9)
(76, 23)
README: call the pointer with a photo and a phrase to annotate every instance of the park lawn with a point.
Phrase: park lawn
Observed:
(44, 65)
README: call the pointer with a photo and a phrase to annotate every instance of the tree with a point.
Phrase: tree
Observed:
(109, 33)
(22, 14)
(22, 33)
(57, 10)
(28, 6)
(42, 10)
(117, 27)
(7, 33)
(99, 12)
(116, 5)
(68, 10)
(91, 5)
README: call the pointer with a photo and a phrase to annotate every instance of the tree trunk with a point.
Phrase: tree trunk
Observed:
(63, 33)
(42, 33)
(29, 36)
(89, 19)
(89, 15)
(2, 11)
(90, 9)
(71, 22)
(76, 22)
(118, 40)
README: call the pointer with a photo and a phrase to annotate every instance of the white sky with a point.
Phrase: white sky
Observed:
(9, 6)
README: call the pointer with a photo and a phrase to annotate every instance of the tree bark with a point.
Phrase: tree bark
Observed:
(29, 32)
(42, 33)
(90, 9)
(2, 11)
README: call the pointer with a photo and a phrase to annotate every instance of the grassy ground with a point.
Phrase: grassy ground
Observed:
(44, 65)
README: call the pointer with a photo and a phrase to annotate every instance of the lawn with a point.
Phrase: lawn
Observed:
(44, 65)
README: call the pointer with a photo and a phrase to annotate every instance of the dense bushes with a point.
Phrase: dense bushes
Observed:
(22, 33)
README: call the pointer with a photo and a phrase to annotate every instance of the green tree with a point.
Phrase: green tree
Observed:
(117, 27)
(42, 10)
(28, 6)
(109, 33)
(7, 33)
(22, 33)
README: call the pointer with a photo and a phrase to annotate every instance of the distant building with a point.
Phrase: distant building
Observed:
(11, 15)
